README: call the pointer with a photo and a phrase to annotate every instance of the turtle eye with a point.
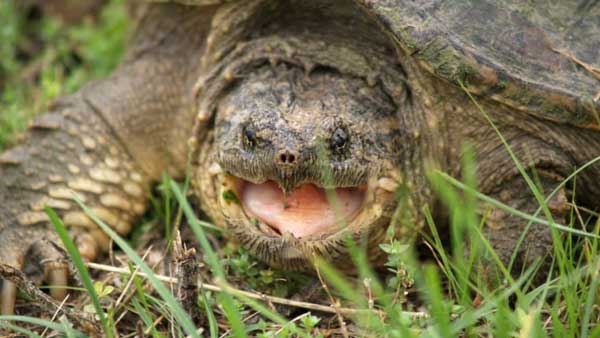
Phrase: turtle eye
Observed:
(339, 139)
(249, 136)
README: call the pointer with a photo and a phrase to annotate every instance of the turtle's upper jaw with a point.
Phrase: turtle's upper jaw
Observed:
(309, 211)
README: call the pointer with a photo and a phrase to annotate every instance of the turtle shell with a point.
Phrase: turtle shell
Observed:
(539, 56)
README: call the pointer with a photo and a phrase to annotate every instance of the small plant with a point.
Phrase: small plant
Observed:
(401, 279)
(103, 291)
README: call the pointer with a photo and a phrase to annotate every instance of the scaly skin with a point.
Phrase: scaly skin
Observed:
(294, 87)
(281, 111)
(62, 155)
(106, 143)
(433, 123)
(261, 82)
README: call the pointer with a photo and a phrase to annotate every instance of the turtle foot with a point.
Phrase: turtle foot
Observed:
(37, 254)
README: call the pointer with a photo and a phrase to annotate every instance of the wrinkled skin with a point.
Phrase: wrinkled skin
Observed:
(283, 103)
(301, 131)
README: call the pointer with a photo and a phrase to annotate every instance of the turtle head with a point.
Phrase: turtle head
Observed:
(301, 160)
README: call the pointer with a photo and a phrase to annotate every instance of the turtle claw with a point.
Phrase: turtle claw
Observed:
(56, 277)
(8, 297)
(40, 259)
(58, 280)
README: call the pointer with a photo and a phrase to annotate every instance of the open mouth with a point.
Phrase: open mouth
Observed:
(307, 211)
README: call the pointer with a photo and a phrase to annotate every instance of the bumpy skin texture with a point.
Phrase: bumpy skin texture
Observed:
(290, 74)
(271, 116)
(106, 144)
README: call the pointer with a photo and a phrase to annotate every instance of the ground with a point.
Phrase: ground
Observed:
(428, 289)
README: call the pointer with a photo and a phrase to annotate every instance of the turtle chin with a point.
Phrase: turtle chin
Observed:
(287, 230)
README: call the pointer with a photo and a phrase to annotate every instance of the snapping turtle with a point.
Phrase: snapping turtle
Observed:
(285, 104)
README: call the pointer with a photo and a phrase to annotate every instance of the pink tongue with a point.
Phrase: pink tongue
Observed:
(306, 211)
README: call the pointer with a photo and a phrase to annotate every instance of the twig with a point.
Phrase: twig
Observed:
(579, 218)
(62, 303)
(262, 297)
(291, 321)
(124, 299)
(47, 303)
(334, 302)
(371, 301)
(199, 332)
(584, 209)
(139, 329)
(187, 271)
(130, 281)
(591, 69)
(154, 324)
(244, 320)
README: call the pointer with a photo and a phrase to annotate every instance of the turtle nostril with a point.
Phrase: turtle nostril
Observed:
(287, 157)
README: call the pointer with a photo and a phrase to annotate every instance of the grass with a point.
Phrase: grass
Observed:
(439, 297)
(81, 268)
(42, 59)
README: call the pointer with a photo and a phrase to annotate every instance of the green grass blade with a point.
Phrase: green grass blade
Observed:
(145, 315)
(349, 292)
(81, 268)
(595, 332)
(179, 313)
(69, 332)
(360, 258)
(559, 251)
(437, 305)
(212, 321)
(487, 309)
(144, 301)
(590, 299)
(233, 314)
(514, 211)
(273, 316)
(572, 176)
(39, 322)
(534, 189)
(433, 237)
(339, 282)
(21, 330)
(212, 260)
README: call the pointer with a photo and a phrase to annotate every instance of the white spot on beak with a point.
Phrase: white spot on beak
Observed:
(215, 169)
(387, 184)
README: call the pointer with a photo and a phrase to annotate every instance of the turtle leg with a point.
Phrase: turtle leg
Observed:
(37, 253)
(106, 144)
(503, 230)
(67, 152)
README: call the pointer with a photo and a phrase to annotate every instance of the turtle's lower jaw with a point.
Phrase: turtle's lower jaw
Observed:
(289, 230)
